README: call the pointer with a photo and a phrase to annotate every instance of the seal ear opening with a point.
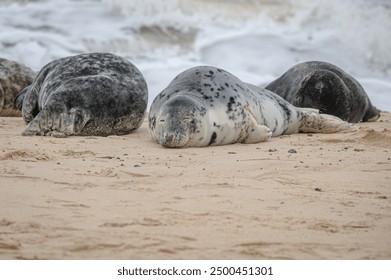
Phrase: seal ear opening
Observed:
(18, 100)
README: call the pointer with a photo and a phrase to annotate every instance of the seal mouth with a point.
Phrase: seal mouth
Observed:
(174, 140)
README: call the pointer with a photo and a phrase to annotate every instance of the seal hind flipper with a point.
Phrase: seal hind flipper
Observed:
(313, 122)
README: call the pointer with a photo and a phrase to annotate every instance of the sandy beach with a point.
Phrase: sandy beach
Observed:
(303, 196)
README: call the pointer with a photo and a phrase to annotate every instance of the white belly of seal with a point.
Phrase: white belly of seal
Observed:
(218, 129)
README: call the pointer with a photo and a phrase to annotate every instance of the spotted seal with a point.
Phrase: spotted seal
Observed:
(87, 94)
(323, 86)
(206, 106)
(14, 77)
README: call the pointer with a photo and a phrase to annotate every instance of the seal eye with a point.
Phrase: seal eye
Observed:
(162, 120)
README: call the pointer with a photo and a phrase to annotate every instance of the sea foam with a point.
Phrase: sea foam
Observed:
(254, 39)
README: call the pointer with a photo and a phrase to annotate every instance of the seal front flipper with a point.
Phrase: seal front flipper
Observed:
(322, 123)
(18, 101)
(52, 123)
(255, 132)
(75, 120)
(27, 102)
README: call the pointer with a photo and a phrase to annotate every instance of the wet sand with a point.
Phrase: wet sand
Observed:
(126, 197)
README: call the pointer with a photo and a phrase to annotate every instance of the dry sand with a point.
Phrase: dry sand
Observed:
(125, 197)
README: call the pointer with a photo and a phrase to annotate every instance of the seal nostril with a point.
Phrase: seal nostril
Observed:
(319, 85)
(169, 138)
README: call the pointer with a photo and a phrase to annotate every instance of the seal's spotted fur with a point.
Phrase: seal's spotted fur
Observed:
(208, 106)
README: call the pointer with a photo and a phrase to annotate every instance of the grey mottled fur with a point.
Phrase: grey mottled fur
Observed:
(88, 94)
(323, 86)
(14, 77)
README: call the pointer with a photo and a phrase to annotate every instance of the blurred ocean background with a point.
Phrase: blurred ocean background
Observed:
(256, 40)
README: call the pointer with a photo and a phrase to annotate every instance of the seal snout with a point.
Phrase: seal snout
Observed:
(173, 139)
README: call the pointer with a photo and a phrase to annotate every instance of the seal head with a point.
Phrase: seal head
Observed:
(178, 121)
(325, 91)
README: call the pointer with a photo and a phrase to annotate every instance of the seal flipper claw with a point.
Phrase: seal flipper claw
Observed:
(33, 128)
(56, 134)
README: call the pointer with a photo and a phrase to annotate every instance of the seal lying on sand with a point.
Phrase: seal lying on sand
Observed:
(326, 87)
(13, 78)
(206, 106)
(87, 94)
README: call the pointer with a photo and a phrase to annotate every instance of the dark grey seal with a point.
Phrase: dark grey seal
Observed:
(326, 87)
(88, 94)
(206, 106)
(14, 77)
